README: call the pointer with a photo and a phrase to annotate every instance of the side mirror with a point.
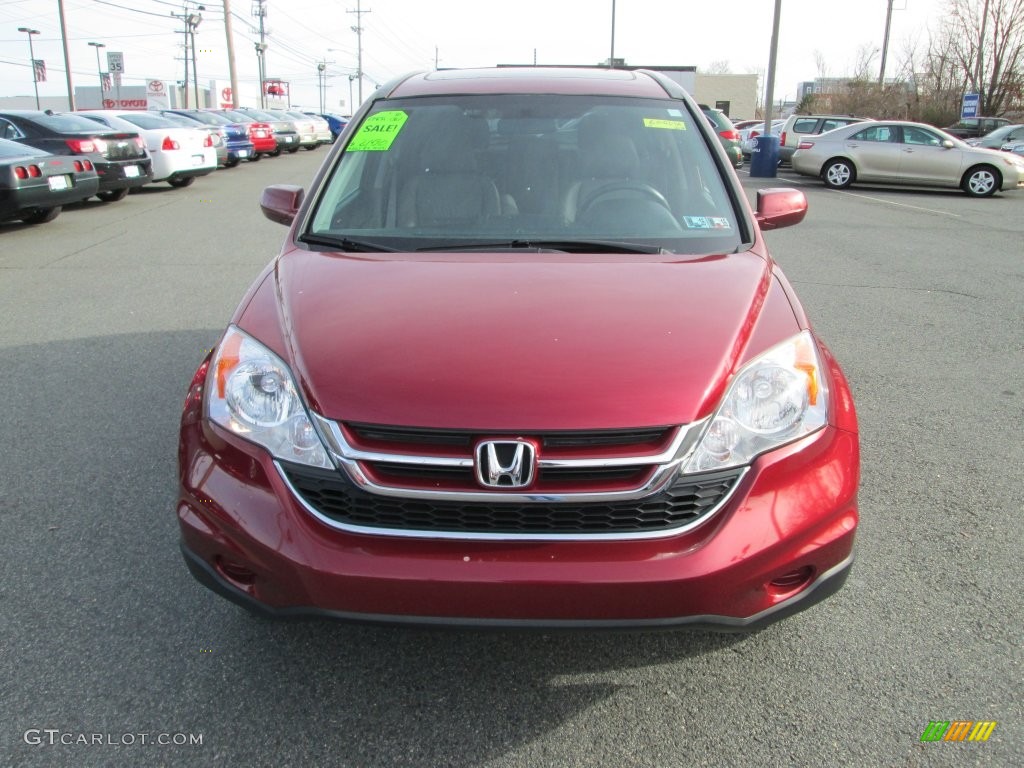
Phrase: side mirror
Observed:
(947, 144)
(780, 207)
(280, 202)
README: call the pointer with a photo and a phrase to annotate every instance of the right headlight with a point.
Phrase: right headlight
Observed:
(776, 398)
(251, 392)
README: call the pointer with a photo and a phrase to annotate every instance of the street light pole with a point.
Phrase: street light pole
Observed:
(32, 59)
(99, 68)
(885, 46)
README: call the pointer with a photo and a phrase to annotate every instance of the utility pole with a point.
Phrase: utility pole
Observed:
(358, 29)
(259, 8)
(229, 34)
(979, 75)
(611, 56)
(193, 22)
(67, 58)
(885, 46)
(186, 64)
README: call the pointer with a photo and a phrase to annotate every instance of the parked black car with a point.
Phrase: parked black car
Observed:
(120, 158)
(975, 127)
(34, 184)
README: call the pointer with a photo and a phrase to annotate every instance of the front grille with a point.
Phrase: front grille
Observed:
(600, 451)
(388, 437)
(684, 503)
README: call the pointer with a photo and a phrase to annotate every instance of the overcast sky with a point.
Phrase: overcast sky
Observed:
(404, 35)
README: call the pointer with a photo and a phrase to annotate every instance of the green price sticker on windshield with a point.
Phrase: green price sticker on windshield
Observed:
(378, 131)
(671, 125)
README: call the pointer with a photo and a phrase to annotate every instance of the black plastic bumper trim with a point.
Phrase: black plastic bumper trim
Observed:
(826, 585)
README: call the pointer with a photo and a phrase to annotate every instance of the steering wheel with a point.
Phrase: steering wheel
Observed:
(629, 188)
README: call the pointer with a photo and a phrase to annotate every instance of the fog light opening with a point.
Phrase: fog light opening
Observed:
(236, 573)
(791, 581)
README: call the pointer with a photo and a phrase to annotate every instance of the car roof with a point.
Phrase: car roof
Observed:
(532, 80)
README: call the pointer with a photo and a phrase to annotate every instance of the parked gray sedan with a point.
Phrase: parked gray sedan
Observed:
(897, 152)
(1008, 134)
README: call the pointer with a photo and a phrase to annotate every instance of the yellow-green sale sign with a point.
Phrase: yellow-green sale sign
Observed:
(378, 132)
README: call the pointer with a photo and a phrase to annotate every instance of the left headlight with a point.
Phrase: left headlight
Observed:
(252, 393)
(776, 398)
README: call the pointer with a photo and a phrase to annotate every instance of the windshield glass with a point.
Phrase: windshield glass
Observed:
(423, 173)
(67, 123)
(148, 120)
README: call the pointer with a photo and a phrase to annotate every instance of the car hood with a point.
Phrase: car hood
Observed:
(513, 342)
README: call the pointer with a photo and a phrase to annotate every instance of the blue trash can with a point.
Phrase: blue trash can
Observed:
(764, 157)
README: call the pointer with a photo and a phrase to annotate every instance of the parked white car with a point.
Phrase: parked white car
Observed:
(751, 132)
(180, 155)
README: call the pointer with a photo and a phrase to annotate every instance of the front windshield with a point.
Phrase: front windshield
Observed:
(426, 173)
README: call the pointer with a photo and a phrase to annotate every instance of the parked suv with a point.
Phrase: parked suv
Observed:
(523, 360)
(798, 126)
(975, 127)
(728, 136)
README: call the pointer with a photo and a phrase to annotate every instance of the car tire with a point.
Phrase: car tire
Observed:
(293, 150)
(41, 215)
(256, 157)
(181, 182)
(311, 148)
(838, 173)
(275, 153)
(231, 162)
(112, 195)
(981, 181)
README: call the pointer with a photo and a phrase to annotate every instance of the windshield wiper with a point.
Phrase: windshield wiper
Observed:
(566, 246)
(344, 243)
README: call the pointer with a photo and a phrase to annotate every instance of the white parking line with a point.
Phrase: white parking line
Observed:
(810, 182)
(901, 205)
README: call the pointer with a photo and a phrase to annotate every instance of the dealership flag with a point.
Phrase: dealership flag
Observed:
(40, 70)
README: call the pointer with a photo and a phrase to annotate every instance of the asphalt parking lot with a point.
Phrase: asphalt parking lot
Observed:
(104, 315)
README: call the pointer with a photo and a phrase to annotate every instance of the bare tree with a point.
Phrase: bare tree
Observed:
(820, 64)
(718, 67)
(986, 39)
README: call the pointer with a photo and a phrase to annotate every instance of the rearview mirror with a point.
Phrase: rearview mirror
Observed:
(280, 202)
(780, 207)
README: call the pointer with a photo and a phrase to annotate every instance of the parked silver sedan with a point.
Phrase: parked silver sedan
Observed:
(897, 152)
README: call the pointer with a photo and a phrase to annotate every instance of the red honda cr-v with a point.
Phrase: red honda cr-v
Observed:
(524, 360)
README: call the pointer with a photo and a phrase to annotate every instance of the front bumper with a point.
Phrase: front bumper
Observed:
(246, 536)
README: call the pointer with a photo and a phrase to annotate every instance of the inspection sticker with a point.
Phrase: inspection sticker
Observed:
(378, 131)
(671, 125)
(706, 222)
